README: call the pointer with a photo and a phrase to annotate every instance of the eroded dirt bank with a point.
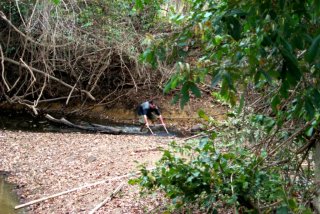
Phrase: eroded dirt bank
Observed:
(42, 164)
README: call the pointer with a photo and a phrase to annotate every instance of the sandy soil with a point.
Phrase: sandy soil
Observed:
(42, 164)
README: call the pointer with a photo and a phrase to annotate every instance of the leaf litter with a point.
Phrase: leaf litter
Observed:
(43, 164)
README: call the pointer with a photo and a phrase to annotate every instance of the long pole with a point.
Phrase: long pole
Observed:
(164, 126)
(71, 190)
(109, 198)
(150, 130)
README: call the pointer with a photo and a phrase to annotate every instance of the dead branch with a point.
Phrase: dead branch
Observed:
(3, 16)
(41, 92)
(3, 69)
(109, 198)
(79, 188)
(31, 72)
(148, 150)
(50, 77)
(73, 190)
(294, 135)
(202, 134)
(21, 17)
(124, 64)
(92, 127)
(100, 72)
(72, 90)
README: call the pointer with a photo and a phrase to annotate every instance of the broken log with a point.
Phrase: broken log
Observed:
(92, 127)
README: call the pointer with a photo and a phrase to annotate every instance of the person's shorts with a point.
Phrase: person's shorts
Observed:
(151, 117)
(141, 119)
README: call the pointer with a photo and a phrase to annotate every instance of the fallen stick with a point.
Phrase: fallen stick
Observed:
(73, 190)
(109, 198)
(164, 126)
(150, 130)
(202, 134)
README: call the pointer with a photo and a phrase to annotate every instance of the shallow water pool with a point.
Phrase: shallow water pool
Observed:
(8, 199)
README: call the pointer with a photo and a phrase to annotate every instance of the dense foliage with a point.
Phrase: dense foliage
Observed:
(264, 57)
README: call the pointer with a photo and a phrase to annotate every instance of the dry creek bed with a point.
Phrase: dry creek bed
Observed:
(42, 164)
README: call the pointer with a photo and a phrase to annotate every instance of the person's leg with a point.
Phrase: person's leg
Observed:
(142, 122)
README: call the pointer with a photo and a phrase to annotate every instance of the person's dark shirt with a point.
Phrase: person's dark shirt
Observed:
(145, 109)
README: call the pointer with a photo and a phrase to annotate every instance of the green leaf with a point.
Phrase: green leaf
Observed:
(284, 89)
(134, 181)
(218, 39)
(139, 4)
(310, 111)
(292, 204)
(185, 97)
(87, 24)
(267, 76)
(283, 210)
(309, 131)
(175, 99)
(161, 53)
(313, 50)
(234, 27)
(172, 84)
(316, 98)
(56, 2)
(216, 79)
(149, 56)
(228, 79)
(185, 87)
(195, 90)
(167, 87)
(275, 103)
(257, 77)
(241, 104)
(292, 73)
(298, 107)
(282, 4)
(203, 115)
(184, 100)
(317, 5)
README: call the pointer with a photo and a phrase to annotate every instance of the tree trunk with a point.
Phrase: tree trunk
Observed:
(316, 201)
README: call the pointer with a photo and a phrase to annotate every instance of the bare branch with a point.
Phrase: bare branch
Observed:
(3, 69)
(27, 37)
(50, 77)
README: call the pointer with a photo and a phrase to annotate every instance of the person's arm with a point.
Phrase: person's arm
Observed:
(161, 119)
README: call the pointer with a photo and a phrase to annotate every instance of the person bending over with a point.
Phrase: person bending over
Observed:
(147, 111)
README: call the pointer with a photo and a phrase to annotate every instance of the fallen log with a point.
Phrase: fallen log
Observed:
(92, 127)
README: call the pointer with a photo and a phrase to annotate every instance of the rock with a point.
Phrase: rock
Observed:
(91, 159)
(197, 128)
